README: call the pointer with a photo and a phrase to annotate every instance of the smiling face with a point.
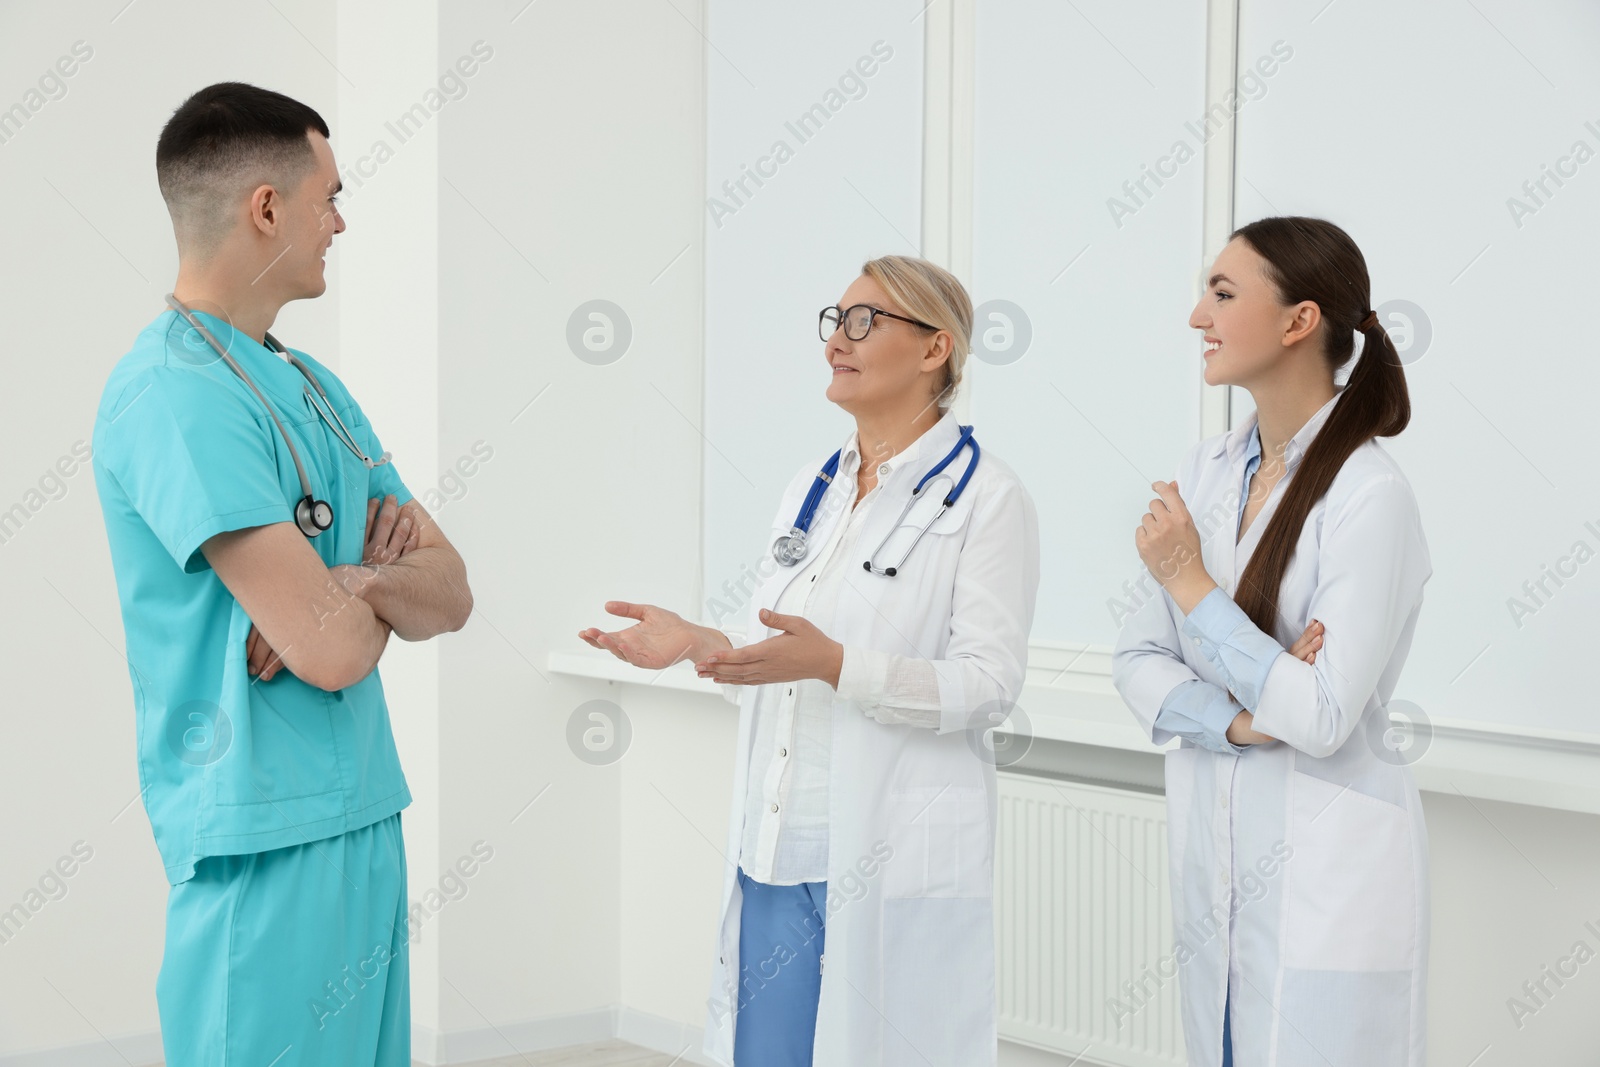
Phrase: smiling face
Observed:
(310, 220)
(897, 364)
(1246, 331)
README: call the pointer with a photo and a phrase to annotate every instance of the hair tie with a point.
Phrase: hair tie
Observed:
(1368, 322)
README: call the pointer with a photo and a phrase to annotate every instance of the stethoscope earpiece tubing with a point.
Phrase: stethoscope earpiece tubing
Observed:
(306, 513)
(331, 417)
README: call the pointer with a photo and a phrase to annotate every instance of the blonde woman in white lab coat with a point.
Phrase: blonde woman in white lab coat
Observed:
(1292, 561)
(863, 808)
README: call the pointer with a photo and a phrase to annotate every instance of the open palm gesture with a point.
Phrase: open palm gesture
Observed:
(658, 640)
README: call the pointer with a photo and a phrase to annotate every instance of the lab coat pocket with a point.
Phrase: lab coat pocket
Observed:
(942, 843)
(926, 519)
(1352, 881)
(954, 518)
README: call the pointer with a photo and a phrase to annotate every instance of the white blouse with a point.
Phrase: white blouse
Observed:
(786, 803)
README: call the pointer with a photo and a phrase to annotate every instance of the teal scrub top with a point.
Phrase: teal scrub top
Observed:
(183, 450)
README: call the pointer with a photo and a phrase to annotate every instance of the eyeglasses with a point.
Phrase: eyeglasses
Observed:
(857, 321)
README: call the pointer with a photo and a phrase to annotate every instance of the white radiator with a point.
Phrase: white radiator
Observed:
(1083, 922)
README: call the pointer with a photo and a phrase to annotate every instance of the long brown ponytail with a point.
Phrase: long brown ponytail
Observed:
(1312, 259)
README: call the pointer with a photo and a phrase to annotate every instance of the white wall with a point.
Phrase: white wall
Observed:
(570, 174)
(826, 100)
(1091, 397)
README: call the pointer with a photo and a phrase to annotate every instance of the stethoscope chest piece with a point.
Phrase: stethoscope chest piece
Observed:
(313, 516)
(790, 548)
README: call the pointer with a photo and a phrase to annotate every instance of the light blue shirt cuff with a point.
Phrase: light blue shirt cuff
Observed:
(1234, 645)
(1200, 712)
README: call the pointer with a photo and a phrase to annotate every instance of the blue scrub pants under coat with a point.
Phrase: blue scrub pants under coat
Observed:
(780, 972)
(295, 957)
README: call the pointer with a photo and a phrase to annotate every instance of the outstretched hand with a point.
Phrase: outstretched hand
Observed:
(800, 651)
(658, 640)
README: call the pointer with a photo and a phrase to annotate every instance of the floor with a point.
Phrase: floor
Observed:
(602, 1054)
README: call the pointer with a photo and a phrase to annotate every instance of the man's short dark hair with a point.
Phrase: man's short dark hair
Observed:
(222, 142)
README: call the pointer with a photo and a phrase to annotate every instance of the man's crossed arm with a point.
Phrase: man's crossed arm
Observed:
(329, 625)
(410, 576)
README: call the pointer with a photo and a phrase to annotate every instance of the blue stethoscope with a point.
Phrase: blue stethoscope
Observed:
(791, 547)
(310, 514)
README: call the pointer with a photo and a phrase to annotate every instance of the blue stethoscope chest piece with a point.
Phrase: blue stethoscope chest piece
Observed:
(790, 548)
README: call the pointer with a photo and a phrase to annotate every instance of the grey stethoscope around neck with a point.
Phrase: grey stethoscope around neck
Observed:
(310, 514)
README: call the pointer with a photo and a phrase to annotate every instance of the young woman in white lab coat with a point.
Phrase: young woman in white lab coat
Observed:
(1292, 561)
(863, 815)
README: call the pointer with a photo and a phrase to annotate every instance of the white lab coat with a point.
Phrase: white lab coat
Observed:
(909, 973)
(1318, 842)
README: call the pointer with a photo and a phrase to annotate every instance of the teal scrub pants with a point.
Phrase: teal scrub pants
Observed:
(295, 957)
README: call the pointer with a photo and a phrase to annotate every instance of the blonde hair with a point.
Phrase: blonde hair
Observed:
(928, 292)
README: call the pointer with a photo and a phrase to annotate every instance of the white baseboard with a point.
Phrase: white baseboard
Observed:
(482, 1043)
(1022, 1054)
(427, 1044)
(640, 1028)
(558, 1031)
(139, 1050)
(533, 1035)
(509, 1039)
(660, 1035)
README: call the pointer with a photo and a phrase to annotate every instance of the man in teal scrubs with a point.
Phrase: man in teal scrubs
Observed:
(266, 759)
